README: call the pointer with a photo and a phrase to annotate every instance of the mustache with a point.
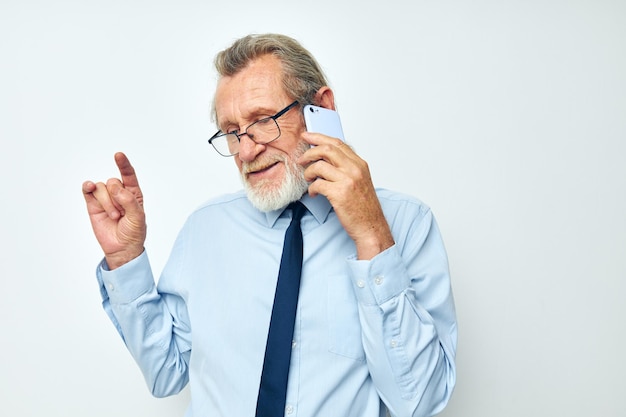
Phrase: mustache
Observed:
(259, 164)
(265, 161)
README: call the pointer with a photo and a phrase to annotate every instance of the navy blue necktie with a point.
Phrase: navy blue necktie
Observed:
(273, 388)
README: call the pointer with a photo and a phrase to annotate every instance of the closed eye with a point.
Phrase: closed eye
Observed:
(264, 120)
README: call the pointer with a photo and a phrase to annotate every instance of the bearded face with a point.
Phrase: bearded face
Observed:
(273, 194)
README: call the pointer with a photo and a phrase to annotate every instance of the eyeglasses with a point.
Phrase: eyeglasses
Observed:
(263, 131)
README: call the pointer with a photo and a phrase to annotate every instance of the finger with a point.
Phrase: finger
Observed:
(127, 172)
(126, 201)
(103, 200)
(333, 151)
(328, 189)
(88, 188)
(322, 169)
(318, 139)
(113, 186)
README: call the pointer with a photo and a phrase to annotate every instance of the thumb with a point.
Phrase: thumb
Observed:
(130, 209)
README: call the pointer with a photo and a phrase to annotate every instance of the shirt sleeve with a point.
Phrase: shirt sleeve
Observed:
(408, 319)
(154, 326)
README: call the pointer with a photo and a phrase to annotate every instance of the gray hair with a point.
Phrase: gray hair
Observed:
(302, 75)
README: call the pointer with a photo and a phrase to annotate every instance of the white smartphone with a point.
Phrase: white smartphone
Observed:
(322, 120)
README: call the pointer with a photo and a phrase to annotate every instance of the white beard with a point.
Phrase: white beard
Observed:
(266, 195)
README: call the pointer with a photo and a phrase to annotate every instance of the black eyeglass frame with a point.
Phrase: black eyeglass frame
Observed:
(220, 134)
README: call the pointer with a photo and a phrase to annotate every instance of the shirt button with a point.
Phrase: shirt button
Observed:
(289, 409)
(378, 279)
(293, 344)
(111, 287)
(393, 343)
(360, 284)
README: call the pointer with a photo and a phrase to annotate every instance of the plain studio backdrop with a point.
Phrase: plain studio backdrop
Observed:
(508, 118)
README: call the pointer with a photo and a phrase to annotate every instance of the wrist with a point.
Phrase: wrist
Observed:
(368, 248)
(115, 260)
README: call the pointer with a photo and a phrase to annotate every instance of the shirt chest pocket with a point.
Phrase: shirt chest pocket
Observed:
(344, 326)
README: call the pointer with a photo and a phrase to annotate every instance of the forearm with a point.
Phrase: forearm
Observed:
(413, 372)
(408, 329)
(143, 319)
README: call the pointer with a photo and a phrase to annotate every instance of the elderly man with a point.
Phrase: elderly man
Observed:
(345, 311)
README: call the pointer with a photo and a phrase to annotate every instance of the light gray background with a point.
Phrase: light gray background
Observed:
(506, 117)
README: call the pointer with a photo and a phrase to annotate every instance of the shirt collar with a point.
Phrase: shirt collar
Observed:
(318, 206)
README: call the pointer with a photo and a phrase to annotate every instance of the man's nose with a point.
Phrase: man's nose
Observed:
(249, 149)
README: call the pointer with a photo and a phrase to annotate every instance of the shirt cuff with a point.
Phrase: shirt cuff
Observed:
(125, 284)
(379, 279)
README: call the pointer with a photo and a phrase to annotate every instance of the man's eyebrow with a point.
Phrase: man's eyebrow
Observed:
(255, 112)
(261, 111)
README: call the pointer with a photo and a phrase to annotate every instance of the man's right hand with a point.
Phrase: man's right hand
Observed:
(117, 215)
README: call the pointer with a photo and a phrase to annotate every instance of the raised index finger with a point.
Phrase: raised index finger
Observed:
(127, 172)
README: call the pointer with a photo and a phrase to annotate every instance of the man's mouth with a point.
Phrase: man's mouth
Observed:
(260, 170)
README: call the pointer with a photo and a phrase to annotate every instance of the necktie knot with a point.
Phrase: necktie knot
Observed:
(298, 210)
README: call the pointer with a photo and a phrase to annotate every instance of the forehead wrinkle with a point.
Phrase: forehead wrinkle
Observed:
(237, 103)
(248, 115)
(255, 90)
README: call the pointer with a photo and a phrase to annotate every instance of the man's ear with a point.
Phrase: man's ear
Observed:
(325, 98)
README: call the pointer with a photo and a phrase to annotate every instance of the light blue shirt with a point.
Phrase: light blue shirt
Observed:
(369, 335)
